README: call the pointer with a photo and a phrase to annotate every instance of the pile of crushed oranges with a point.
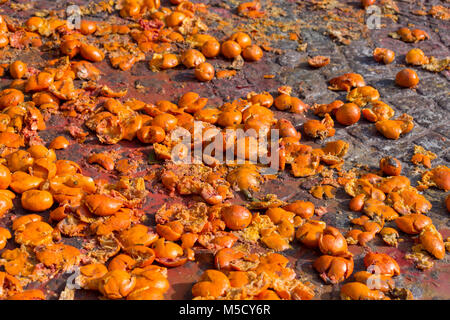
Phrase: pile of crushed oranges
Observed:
(124, 257)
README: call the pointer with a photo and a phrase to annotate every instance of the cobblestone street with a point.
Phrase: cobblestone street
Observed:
(327, 28)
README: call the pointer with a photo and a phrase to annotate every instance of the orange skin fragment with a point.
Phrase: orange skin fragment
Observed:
(394, 183)
(102, 205)
(322, 109)
(34, 233)
(32, 294)
(169, 253)
(302, 292)
(20, 160)
(59, 256)
(116, 284)
(416, 57)
(304, 209)
(21, 221)
(415, 35)
(346, 82)
(309, 233)
(377, 111)
(267, 295)
(39, 151)
(390, 166)
(9, 285)
(224, 258)
(188, 240)
(146, 294)
(44, 168)
(91, 53)
(171, 231)
(334, 269)
(11, 140)
(37, 200)
(392, 129)
(278, 215)
(318, 61)
(204, 72)
(264, 99)
(438, 177)
(192, 58)
(10, 97)
(359, 291)
(305, 164)
(151, 134)
(252, 53)
(250, 9)
(225, 74)
(39, 82)
(407, 78)
(384, 55)
(384, 283)
(421, 159)
(348, 114)
(432, 241)
(5, 177)
(16, 262)
(139, 234)
(377, 209)
(122, 262)
(320, 129)
(361, 237)
(151, 284)
(212, 283)
(18, 69)
(386, 264)
(368, 3)
(191, 102)
(286, 102)
(211, 48)
(238, 278)
(102, 159)
(332, 242)
(144, 256)
(390, 236)
(287, 129)
(6, 204)
(230, 49)
(357, 202)
(275, 241)
(408, 201)
(4, 236)
(87, 27)
(91, 274)
(236, 217)
(85, 70)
